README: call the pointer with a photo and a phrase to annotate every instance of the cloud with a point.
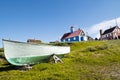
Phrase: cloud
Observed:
(94, 29)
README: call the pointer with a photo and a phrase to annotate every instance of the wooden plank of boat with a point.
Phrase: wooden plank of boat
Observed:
(21, 53)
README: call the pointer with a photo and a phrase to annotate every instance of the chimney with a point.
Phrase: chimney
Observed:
(72, 29)
(100, 34)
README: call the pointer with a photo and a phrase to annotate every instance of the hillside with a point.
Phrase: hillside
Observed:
(94, 60)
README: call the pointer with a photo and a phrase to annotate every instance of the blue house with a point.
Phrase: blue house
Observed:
(74, 36)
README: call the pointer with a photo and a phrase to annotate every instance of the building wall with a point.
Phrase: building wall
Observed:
(116, 32)
(107, 36)
(85, 38)
(74, 39)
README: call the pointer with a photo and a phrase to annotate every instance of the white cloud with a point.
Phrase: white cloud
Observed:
(94, 30)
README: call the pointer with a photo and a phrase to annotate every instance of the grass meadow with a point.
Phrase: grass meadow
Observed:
(91, 60)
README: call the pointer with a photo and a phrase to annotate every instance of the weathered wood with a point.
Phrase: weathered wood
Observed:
(54, 58)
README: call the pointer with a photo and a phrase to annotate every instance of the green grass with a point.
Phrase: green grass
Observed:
(92, 60)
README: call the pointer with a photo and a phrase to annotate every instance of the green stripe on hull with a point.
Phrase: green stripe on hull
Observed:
(27, 60)
(30, 60)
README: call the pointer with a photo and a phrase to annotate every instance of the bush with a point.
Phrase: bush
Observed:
(91, 49)
(96, 48)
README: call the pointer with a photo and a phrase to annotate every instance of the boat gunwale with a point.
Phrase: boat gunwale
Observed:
(45, 44)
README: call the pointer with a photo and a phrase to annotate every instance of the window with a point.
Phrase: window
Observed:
(69, 39)
(63, 40)
(106, 35)
(74, 38)
(110, 34)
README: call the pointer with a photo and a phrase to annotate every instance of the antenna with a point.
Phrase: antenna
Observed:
(116, 22)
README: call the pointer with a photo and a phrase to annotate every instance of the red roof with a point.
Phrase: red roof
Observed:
(33, 41)
(75, 33)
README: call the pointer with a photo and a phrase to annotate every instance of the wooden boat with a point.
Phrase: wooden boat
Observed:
(21, 53)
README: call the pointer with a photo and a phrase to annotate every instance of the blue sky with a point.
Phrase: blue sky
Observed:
(48, 20)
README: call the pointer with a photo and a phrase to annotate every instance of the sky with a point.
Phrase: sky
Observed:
(48, 20)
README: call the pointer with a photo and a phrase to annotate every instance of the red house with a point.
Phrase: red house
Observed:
(111, 33)
(34, 41)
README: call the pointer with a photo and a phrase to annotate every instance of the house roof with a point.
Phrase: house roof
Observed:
(109, 30)
(75, 33)
(65, 35)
